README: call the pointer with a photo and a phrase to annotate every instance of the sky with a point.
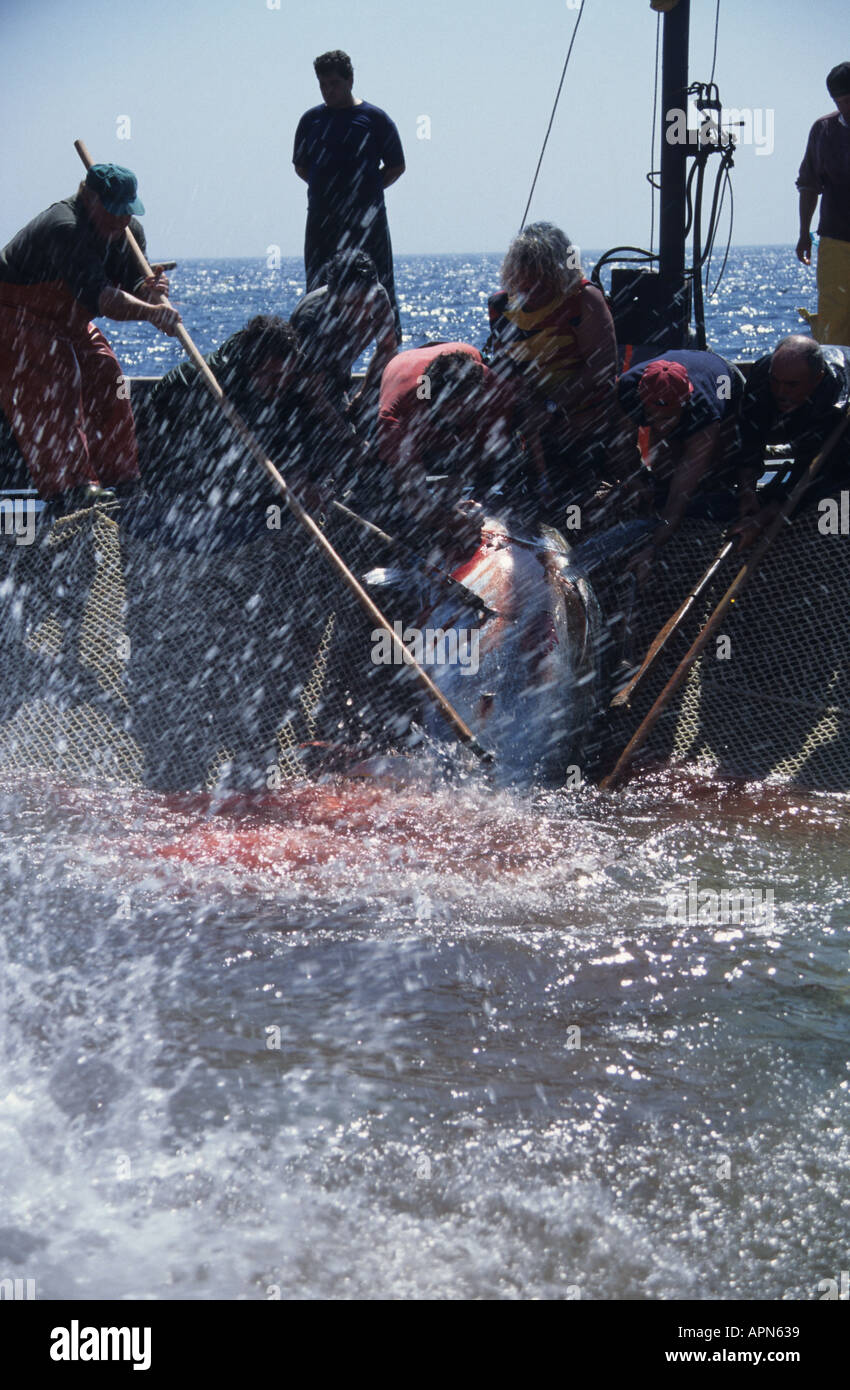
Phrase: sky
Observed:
(201, 99)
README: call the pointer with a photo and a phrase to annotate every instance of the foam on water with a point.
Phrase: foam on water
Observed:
(324, 1044)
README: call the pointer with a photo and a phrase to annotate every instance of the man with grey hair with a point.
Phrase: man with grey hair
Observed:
(794, 395)
(552, 331)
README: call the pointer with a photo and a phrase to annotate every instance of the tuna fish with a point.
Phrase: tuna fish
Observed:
(524, 674)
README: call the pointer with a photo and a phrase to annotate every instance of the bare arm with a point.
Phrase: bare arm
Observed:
(808, 204)
(120, 304)
(340, 434)
(391, 175)
(154, 288)
(747, 481)
(698, 455)
(596, 341)
(384, 333)
(697, 458)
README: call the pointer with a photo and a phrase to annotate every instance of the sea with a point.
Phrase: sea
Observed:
(397, 1041)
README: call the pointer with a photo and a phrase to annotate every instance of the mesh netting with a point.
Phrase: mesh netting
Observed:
(137, 657)
(774, 700)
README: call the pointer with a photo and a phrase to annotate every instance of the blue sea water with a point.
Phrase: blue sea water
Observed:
(446, 297)
(401, 1042)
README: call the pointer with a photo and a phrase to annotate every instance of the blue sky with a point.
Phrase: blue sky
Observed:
(214, 88)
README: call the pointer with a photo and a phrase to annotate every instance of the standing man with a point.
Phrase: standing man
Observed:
(61, 386)
(347, 152)
(825, 174)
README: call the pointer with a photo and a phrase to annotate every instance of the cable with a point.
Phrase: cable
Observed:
(552, 117)
(639, 256)
(689, 204)
(716, 29)
(728, 185)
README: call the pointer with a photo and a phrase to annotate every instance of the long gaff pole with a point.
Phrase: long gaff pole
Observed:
(460, 729)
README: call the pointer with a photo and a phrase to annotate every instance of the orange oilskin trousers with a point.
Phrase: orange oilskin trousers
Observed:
(63, 394)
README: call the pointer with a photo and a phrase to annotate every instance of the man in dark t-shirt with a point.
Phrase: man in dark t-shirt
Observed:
(60, 382)
(347, 152)
(825, 174)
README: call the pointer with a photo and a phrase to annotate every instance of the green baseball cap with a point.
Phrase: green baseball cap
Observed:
(117, 189)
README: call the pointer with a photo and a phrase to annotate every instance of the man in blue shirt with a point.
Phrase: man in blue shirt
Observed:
(347, 152)
(686, 403)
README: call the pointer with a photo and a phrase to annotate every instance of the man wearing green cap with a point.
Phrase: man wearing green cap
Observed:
(61, 386)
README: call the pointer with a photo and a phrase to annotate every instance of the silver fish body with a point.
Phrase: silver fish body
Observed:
(524, 676)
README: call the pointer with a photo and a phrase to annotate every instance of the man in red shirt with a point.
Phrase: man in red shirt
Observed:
(403, 410)
(442, 411)
(60, 382)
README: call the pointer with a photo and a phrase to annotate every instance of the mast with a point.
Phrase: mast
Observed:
(652, 306)
(674, 97)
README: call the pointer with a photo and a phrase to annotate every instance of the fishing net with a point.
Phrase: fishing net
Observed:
(145, 650)
(770, 695)
(183, 653)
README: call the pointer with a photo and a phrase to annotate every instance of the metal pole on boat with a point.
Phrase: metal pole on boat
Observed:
(460, 729)
(674, 156)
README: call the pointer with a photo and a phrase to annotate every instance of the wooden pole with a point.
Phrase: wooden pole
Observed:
(460, 729)
(745, 573)
(451, 585)
(656, 647)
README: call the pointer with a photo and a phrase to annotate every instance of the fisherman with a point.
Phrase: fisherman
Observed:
(825, 174)
(334, 325)
(679, 414)
(443, 412)
(60, 382)
(186, 445)
(553, 330)
(347, 152)
(794, 395)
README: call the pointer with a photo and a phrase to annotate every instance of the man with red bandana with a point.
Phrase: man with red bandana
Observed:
(61, 386)
(680, 409)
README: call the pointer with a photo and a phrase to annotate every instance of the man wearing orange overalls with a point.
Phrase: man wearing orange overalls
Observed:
(61, 386)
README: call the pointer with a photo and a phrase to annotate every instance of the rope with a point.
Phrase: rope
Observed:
(727, 185)
(552, 117)
(716, 29)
